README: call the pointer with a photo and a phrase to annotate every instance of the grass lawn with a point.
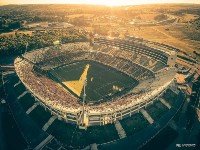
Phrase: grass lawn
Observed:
(156, 110)
(134, 124)
(101, 80)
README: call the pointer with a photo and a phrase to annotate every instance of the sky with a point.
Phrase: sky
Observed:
(102, 2)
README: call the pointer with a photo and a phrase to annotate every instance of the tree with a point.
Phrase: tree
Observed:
(14, 25)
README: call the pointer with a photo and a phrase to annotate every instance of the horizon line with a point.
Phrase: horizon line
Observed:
(189, 3)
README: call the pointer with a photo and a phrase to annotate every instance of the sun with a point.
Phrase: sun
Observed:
(112, 3)
(106, 2)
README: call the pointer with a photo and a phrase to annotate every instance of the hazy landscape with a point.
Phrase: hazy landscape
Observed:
(174, 24)
(35, 37)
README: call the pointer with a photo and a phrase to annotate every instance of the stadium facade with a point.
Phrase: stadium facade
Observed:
(152, 68)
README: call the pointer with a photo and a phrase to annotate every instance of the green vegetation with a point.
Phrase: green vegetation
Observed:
(156, 110)
(73, 136)
(8, 25)
(160, 17)
(134, 124)
(100, 79)
(175, 25)
(14, 44)
(40, 116)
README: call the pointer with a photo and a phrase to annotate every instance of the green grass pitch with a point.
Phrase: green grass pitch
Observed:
(100, 80)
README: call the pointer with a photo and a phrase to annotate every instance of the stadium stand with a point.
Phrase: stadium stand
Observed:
(145, 64)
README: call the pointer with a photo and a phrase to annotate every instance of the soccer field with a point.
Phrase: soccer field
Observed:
(103, 82)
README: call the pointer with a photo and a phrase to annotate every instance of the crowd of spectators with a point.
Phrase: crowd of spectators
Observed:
(49, 58)
(135, 47)
(59, 98)
(41, 56)
(44, 88)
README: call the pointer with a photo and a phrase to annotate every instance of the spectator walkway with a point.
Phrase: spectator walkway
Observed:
(44, 142)
(31, 108)
(17, 83)
(20, 96)
(165, 103)
(55, 145)
(120, 130)
(94, 146)
(49, 122)
(146, 115)
(8, 72)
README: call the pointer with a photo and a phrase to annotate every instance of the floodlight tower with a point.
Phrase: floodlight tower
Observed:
(84, 94)
(82, 124)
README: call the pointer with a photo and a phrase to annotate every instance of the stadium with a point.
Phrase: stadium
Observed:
(97, 83)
